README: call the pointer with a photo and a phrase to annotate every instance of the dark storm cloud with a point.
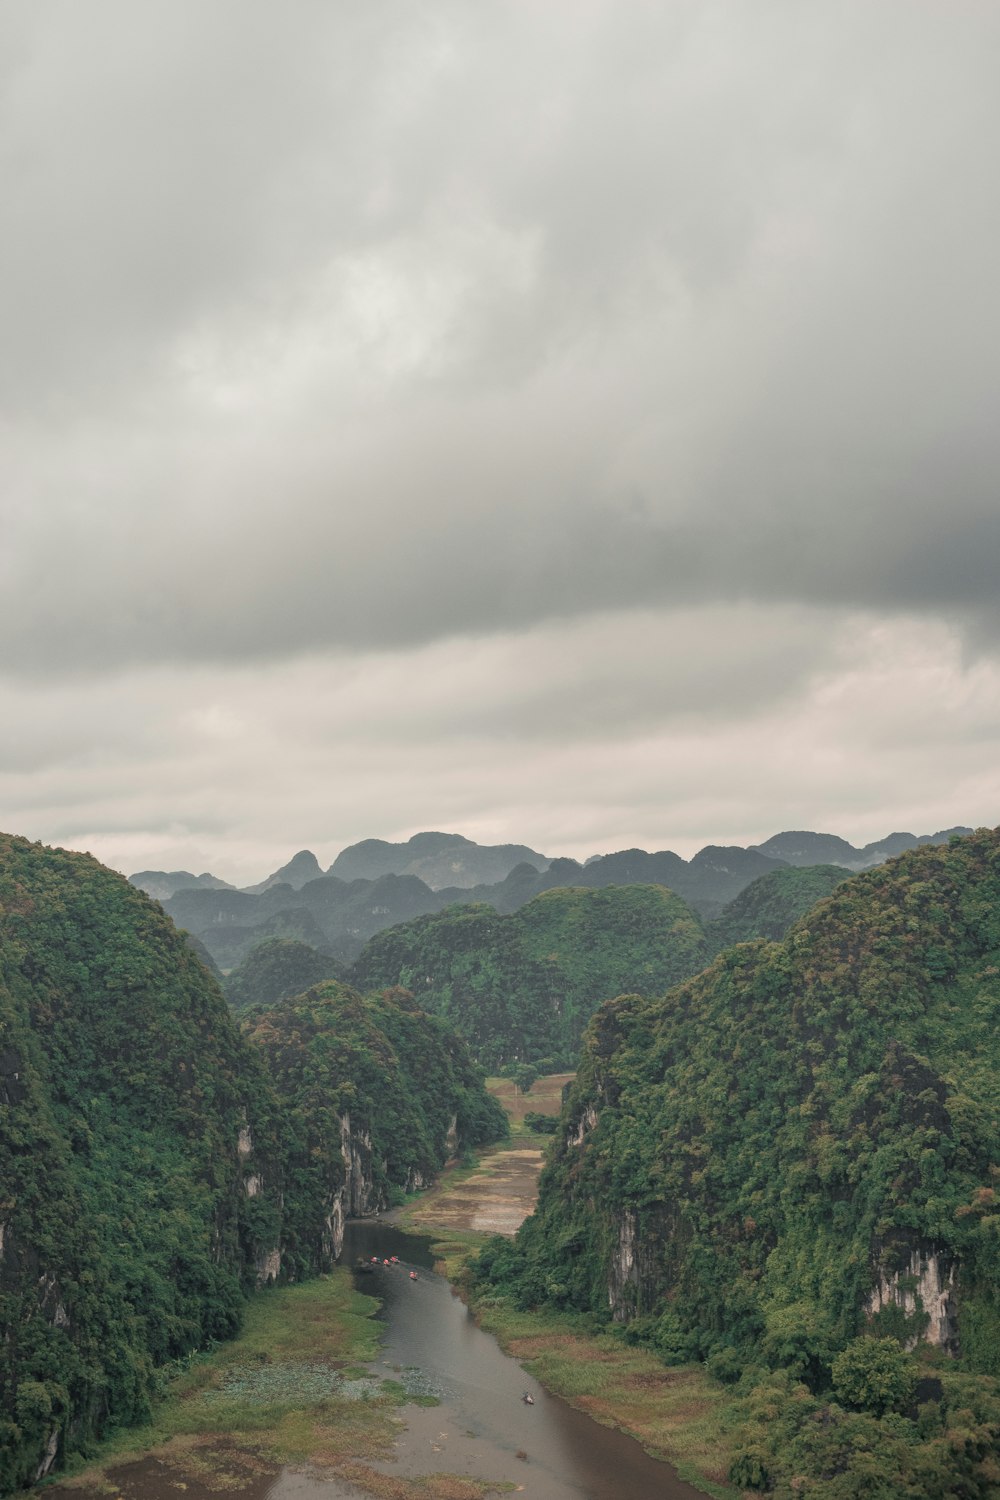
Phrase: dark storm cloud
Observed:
(346, 328)
(569, 423)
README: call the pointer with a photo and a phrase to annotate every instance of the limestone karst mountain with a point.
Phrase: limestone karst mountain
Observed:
(299, 870)
(440, 860)
(826, 848)
(790, 1164)
(162, 884)
(375, 884)
(157, 1162)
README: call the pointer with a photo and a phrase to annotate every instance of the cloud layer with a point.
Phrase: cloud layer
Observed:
(453, 415)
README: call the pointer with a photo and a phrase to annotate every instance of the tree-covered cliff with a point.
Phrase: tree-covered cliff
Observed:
(797, 1148)
(524, 986)
(126, 1091)
(152, 1172)
(379, 1094)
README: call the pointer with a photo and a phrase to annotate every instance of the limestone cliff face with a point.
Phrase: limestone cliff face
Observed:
(581, 1128)
(357, 1196)
(929, 1287)
(798, 1144)
(137, 1133)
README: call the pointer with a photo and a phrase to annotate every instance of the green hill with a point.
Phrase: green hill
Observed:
(126, 1086)
(792, 1152)
(524, 986)
(151, 1174)
(275, 970)
(769, 906)
(379, 1095)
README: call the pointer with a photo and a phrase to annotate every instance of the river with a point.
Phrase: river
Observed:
(482, 1427)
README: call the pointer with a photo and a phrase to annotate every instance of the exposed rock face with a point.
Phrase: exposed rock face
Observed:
(333, 1231)
(622, 1271)
(357, 1194)
(51, 1449)
(586, 1123)
(268, 1266)
(929, 1285)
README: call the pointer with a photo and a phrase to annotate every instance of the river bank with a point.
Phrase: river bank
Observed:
(320, 1398)
(288, 1411)
(676, 1414)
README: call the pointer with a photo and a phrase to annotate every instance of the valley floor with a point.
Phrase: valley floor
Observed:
(289, 1411)
(676, 1414)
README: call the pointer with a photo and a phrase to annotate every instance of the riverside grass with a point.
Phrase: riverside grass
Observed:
(291, 1390)
(677, 1414)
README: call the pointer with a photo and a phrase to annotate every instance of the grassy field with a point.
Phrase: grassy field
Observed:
(291, 1390)
(544, 1097)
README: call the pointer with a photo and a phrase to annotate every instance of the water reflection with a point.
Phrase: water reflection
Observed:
(483, 1425)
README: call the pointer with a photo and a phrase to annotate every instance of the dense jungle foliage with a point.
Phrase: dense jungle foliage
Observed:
(523, 987)
(149, 1172)
(124, 1239)
(275, 970)
(376, 1074)
(769, 906)
(742, 1164)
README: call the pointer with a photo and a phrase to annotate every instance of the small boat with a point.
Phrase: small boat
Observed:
(413, 1275)
(528, 1399)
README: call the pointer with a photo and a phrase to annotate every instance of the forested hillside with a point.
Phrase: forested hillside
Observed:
(378, 1096)
(127, 1086)
(790, 1165)
(151, 1172)
(769, 906)
(523, 987)
(275, 970)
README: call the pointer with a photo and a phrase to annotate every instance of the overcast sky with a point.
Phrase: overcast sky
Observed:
(570, 423)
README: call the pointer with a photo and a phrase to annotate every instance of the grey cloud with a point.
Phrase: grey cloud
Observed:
(423, 380)
(353, 332)
(505, 737)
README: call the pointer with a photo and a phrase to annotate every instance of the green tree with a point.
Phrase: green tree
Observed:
(874, 1375)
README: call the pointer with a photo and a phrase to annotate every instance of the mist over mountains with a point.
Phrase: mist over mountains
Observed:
(376, 884)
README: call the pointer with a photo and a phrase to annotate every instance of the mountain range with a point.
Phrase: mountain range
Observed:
(374, 885)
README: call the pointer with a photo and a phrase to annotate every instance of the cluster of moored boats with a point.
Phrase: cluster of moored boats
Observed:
(365, 1267)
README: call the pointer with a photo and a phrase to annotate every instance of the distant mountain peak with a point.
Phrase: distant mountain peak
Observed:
(300, 869)
(162, 884)
(440, 860)
(800, 847)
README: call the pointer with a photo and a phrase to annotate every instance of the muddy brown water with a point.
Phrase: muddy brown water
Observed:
(482, 1424)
